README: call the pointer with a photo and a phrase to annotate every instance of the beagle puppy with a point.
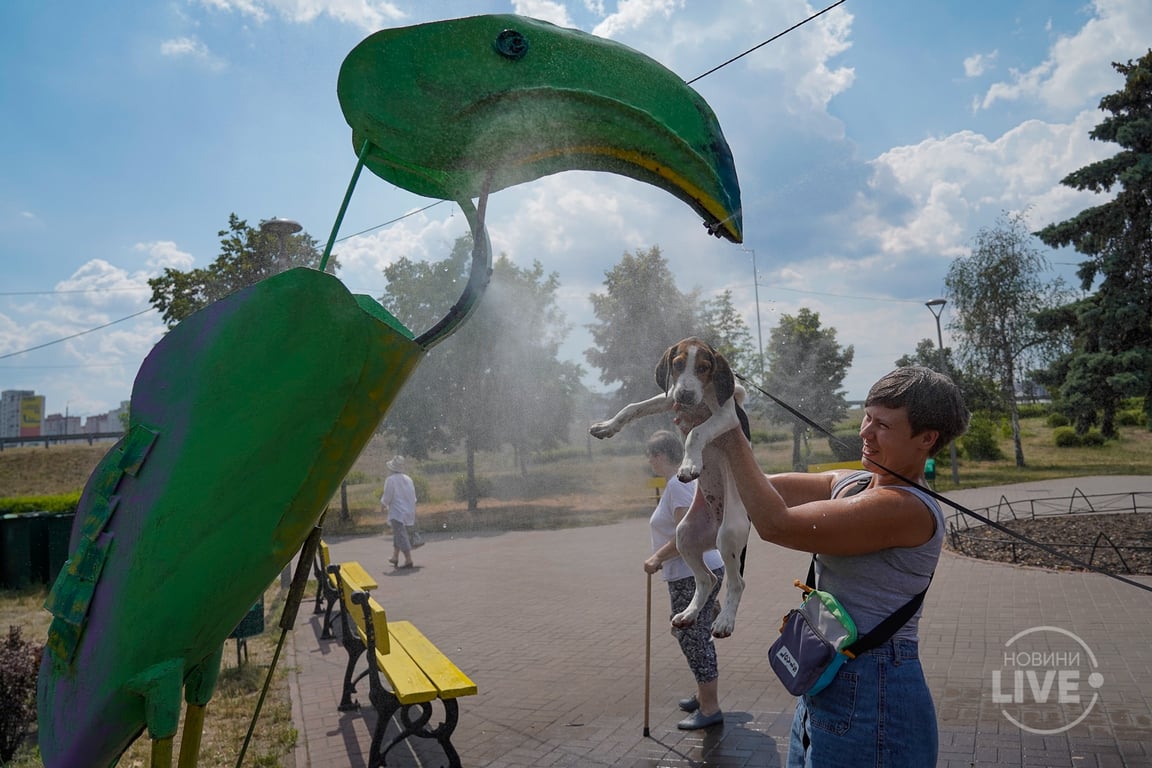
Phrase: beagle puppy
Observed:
(698, 379)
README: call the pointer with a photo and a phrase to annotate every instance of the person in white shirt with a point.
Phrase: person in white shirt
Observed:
(399, 503)
(665, 451)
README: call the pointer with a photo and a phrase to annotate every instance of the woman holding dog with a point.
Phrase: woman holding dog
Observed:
(877, 542)
(665, 451)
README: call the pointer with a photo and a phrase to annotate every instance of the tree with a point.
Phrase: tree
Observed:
(1112, 357)
(496, 380)
(640, 315)
(997, 291)
(722, 326)
(806, 370)
(980, 393)
(247, 256)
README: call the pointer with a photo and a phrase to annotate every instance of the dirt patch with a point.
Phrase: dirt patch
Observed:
(1121, 543)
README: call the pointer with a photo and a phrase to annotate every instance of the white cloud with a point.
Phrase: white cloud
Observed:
(545, 10)
(164, 253)
(366, 14)
(634, 14)
(193, 49)
(956, 183)
(1078, 66)
(979, 63)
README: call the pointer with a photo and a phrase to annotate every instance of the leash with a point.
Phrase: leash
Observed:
(955, 505)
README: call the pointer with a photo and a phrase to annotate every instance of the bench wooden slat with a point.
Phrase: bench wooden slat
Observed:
(446, 676)
(379, 616)
(354, 571)
(409, 683)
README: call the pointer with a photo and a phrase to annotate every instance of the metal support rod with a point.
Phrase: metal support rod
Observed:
(936, 307)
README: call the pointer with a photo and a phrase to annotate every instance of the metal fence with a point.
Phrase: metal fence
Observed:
(968, 535)
(49, 440)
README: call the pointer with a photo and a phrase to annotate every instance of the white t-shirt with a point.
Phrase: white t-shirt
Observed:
(400, 498)
(663, 523)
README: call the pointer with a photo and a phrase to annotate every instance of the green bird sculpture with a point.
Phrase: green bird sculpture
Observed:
(247, 415)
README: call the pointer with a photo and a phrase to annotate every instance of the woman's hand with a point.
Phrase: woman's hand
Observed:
(652, 564)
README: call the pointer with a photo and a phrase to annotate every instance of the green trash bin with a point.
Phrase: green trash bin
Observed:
(38, 545)
(15, 551)
(59, 534)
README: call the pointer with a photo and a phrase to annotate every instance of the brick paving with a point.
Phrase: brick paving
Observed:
(550, 625)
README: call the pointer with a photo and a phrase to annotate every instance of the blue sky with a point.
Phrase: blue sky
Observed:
(871, 145)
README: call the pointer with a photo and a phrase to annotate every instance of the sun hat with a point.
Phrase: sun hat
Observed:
(396, 464)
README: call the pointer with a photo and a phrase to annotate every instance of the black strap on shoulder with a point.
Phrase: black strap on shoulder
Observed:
(883, 631)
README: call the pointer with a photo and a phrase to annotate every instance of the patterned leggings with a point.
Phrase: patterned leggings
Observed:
(696, 641)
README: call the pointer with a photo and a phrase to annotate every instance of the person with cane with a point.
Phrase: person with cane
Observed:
(665, 451)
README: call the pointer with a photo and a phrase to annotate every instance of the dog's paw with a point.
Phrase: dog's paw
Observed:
(688, 471)
(603, 429)
(684, 619)
(725, 624)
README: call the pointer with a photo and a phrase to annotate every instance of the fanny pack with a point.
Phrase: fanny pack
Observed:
(817, 638)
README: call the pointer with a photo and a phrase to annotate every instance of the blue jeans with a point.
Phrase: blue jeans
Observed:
(876, 712)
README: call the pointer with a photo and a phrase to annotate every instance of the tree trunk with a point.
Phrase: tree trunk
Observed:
(798, 462)
(470, 477)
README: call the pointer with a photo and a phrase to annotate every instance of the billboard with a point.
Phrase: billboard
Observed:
(31, 415)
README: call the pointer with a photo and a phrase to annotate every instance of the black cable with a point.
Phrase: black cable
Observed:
(761, 45)
(959, 507)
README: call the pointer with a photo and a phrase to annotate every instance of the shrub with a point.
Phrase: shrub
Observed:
(1032, 410)
(18, 666)
(980, 441)
(421, 485)
(1130, 419)
(1066, 437)
(1057, 420)
(65, 502)
(761, 437)
(460, 488)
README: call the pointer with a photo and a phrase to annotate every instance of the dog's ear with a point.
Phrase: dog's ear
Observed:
(722, 379)
(663, 368)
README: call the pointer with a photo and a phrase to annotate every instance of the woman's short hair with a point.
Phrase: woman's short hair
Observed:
(932, 400)
(666, 443)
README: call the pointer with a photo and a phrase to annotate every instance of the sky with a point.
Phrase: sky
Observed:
(871, 145)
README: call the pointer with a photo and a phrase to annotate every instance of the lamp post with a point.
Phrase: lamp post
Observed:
(281, 228)
(936, 307)
(759, 331)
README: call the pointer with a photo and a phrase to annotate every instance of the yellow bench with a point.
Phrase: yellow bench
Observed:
(328, 590)
(417, 673)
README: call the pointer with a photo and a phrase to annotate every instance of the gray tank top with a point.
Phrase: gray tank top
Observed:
(871, 587)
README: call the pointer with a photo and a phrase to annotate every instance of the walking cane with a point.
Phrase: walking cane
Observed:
(647, 653)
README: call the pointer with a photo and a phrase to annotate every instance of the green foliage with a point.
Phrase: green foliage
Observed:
(1055, 419)
(763, 437)
(19, 664)
(421, 486)
(247, 256)
(1133, 418)
(1111, 355)
(483, 486)
(1032, 410)
(65, 502)
(495, 381)
(846, 444)
(979, 442)
(640, 314)
(357, 477)
(1068, 437)
(723, 327)
(807, 371)
(996, 292)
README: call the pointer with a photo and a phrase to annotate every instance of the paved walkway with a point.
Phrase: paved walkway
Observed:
(551, 627)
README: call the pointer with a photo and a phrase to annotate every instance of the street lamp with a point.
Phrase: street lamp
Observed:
(936, 307)
(756, 289)
(281, 228)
